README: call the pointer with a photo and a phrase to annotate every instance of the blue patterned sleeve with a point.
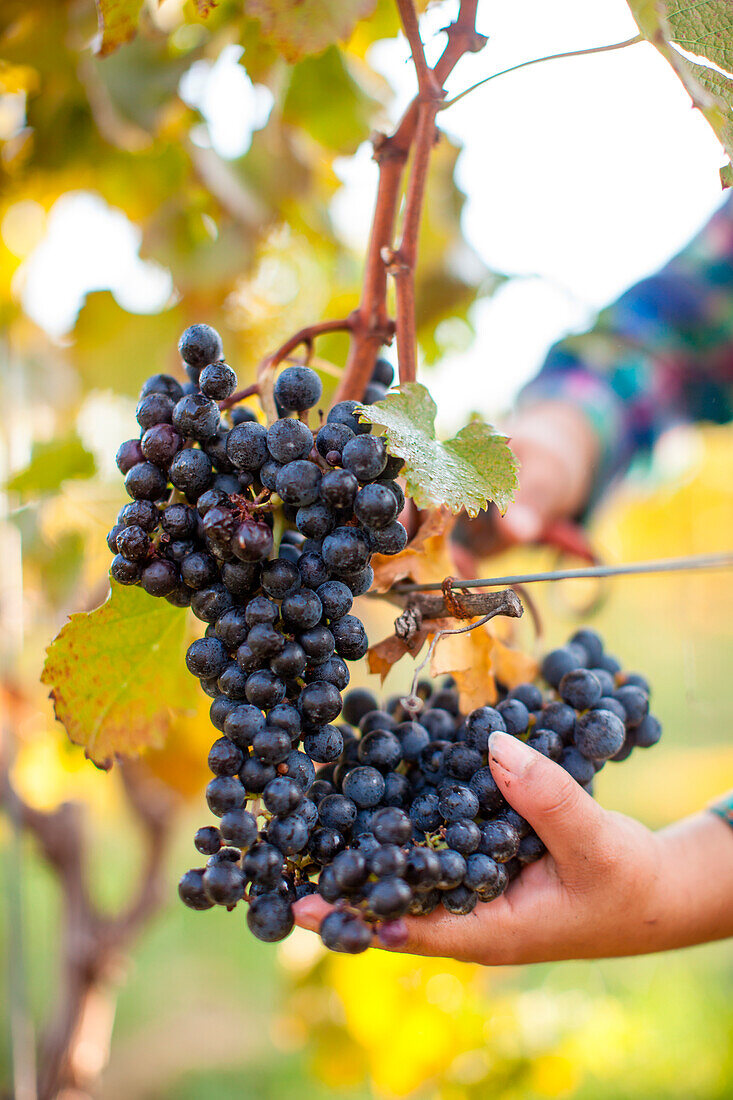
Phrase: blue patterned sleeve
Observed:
(660, 355)
(723, 807)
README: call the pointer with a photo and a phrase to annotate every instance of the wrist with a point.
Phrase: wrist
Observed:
(560, 435)
(694, 901)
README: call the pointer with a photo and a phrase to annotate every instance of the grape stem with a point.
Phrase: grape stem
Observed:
(372, 326)
(240, 395)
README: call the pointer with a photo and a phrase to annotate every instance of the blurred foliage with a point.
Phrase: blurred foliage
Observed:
(251, 246)
(84, 118)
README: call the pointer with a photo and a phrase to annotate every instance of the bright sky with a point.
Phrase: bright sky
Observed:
(581, 176)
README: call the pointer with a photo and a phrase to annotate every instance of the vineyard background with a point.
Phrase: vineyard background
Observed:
(203, 1008)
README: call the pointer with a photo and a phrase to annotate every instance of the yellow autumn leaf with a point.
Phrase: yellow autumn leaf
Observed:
(426, 558)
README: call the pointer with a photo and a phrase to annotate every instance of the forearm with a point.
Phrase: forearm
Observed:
(558, 450)
(695, 896)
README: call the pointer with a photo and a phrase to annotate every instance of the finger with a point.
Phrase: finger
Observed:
(562, 814)
(310, 911)
(484, 935)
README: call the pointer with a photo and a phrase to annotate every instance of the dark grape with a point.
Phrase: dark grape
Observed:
(218, 381)
(297, 389)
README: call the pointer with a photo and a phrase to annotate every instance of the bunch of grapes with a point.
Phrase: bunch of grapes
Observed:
(268, 533)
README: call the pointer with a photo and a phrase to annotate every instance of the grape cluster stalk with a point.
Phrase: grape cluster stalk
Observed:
(267, 534)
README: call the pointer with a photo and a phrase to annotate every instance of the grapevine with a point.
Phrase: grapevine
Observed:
(267, 533)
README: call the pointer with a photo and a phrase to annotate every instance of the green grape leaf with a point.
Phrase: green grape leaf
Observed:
(51, 464)
(118, 20)
(117, 674)
(467, 472)
(704, 29)
(300, 27)
(326, 100)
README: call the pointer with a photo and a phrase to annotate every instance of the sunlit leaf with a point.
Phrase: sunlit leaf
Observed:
(704, 29)
(118, 20)
(467, 472)
(117, 674)
(300, 27)
(324, 98)
(117, 350)
(51, 464)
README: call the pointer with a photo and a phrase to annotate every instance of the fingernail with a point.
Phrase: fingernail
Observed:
(393, 933)
(523, 523)
(513, 755)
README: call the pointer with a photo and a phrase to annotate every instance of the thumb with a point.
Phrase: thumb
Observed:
(563, 815)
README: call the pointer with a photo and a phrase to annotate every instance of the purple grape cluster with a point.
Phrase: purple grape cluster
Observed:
(268, 533)
(408, 816)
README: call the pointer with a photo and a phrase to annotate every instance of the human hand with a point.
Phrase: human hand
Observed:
(557, 451)
(607, 885)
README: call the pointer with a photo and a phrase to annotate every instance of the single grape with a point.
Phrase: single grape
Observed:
(557, 663)
(599, 734)
(350, 638)
(320, 703)
(191, 472)
(365, 457)
(288, 440)
(338, 488)
(481, 723)
(247, 446)
(391, 539)
(224, 757)
(515, 716)
(196, 416)
(144, 481)
(389, 898)
(332, 438)
(499, 839)
(162, 383)
(375, 506)
(359, 701)
(191, 890)
(200, 345)
(343, 413)
(635, 702)
(224, 883)
(298, 483)
(270, 917)
(217, 381)
(364, 786)
(297, 389)
(648, 732)
(224, 793)
(239, 827)
(279, 577)
(159, 578)
(154, 408)
(265, 689)
(483, 785)
(252, 541)
(124, 571)
(345, 932)
(463, 836)
(580, 689)
(207, 840)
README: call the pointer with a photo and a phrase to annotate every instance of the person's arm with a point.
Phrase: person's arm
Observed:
(658, 356)
(607, 885)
